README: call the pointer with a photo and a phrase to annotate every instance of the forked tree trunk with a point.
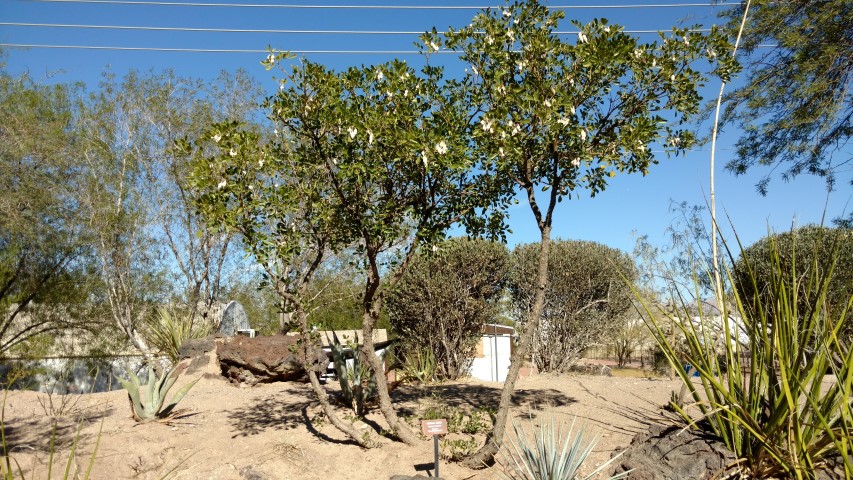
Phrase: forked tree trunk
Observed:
(371, 315)
(320, 393)
(485, 456)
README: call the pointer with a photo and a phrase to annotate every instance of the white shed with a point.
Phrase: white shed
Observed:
(491, 362)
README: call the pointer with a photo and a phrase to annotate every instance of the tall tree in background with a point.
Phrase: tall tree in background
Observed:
(796, 107)
(560, 118)
(174, 108)
(149, 244)
(43, 254)
(445, 297)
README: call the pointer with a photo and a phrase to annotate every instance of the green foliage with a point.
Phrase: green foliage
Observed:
(443, 299)
(455, 449)
(44, 267)
(458, 421)
(550, 451)
(169, 329)
(773, 408)
(419, 364)
(585, 298)
(563, 117)
(795, 107)
(358, 386)
(809, 247)
(147, 400)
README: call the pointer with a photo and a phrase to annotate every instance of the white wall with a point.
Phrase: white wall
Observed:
(494, 363)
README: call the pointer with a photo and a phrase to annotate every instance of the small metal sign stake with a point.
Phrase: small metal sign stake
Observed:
(434, 428)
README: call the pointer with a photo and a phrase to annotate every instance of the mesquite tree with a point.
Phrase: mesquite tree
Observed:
(561, 118)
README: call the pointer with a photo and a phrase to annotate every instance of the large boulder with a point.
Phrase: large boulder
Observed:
(671, 453)
(279, 358)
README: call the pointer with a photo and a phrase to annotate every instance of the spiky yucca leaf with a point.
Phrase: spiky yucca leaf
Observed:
(549, 451)
(772, 408)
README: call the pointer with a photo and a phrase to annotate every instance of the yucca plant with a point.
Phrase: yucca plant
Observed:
(772, 407)
(550, 450)
(147, 400)
(420, 365)
(169, 329)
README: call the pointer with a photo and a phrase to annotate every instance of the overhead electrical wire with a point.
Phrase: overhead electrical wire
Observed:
(223, 50)
(290, 31)
(264, 30)
(379, 7)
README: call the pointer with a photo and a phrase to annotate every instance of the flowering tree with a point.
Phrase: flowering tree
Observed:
(243, 185)
(559, 118)
(373, 158)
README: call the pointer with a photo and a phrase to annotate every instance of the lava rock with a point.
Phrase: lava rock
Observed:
(279, 358)
(671, 453)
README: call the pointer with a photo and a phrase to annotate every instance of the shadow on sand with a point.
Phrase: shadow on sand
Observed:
(472, 397)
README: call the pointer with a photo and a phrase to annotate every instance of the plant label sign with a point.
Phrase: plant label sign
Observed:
(434, 427)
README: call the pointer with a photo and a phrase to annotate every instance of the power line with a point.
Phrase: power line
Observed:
(226, 50)
(223, 50)
(379, 7)
(262, 30)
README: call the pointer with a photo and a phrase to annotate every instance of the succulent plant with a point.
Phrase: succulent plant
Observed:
(357, 384)
(147, 400)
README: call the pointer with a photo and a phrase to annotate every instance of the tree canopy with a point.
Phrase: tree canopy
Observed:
(796, 104)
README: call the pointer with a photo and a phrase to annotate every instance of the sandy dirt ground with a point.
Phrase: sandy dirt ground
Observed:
(276, 431)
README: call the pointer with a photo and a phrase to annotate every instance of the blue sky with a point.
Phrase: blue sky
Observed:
(631, 203)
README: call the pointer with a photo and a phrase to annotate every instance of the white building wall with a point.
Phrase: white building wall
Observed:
(493, 365)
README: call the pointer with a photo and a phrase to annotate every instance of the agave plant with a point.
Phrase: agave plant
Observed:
(147, 400)
(357, 384)
(550, 451)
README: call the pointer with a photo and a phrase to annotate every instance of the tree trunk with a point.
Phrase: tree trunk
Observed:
(485, 456)
(398, 427)
(320, 393)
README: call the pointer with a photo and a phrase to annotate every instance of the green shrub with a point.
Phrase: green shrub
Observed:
(147, 400)
(443, 299)
(549, 451)
(456, 449)
(811, 247)
(585, 299)
(771, 408)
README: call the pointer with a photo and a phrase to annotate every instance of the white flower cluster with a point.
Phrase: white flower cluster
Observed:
(352, 132)
(487, 125)
(441, 148)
